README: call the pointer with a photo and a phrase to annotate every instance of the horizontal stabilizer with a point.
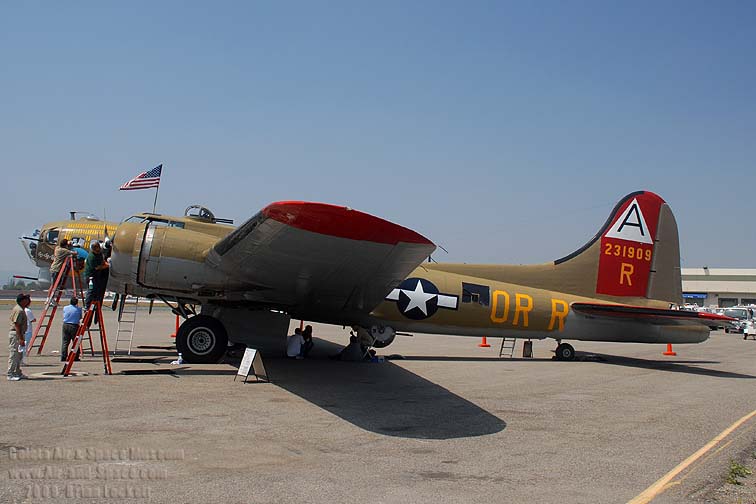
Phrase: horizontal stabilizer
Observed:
(651, 315)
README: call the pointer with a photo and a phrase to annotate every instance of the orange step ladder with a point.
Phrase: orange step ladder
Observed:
(54, 294)
(94, 310)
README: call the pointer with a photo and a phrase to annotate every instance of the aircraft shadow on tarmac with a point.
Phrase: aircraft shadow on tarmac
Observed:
(379, 397)
(673, 366)
(447, 358)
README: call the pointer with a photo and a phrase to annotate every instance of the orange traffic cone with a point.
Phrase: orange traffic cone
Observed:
(483, 343)
(175, 332)
(669, 350)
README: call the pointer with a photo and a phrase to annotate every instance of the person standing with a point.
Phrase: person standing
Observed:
(60, 254)
(16, 342)
(81, 254)
(30, 319)
(97, 268)
(71, 320)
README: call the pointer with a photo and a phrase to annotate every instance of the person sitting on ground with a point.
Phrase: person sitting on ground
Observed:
(308, 343)
(60, 254)
(294, 345)
(352, 352)
(71, 320)
(363, 337)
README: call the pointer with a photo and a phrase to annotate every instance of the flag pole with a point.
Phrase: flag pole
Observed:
(154, 204)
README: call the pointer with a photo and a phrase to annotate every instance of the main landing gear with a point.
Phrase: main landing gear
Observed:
(202, 339)
(564, 351)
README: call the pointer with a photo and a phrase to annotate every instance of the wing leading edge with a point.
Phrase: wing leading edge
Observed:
(318, 258)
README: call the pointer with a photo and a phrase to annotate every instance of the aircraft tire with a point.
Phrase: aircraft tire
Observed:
(565, 352)
(202, 339)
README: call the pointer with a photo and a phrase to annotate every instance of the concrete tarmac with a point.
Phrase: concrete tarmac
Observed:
(448, 423)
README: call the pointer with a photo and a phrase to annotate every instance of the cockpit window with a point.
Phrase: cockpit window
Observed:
(164, 223)
(155, 221)
(52, 236)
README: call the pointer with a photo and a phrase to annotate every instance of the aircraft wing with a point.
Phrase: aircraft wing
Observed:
(318, 258)
(651, 315)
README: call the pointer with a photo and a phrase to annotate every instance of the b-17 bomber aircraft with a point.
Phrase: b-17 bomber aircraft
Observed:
(333, 264)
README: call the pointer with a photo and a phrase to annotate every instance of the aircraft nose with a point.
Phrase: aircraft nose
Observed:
(29, 242)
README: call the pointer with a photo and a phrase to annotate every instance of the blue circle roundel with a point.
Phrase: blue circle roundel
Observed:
(418, 298)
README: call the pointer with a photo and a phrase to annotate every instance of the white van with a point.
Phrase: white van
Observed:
(746, 324)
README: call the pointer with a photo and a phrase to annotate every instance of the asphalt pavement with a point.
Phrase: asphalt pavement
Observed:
(442, 421)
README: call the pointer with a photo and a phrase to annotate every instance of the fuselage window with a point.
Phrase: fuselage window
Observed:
(474, 293)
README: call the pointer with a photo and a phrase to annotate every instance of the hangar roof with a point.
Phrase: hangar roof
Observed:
(719, 279)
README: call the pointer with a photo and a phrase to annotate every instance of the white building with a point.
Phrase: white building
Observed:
(719, 286)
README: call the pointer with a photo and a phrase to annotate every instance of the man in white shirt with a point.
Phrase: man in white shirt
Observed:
(294, 345)
(30, 319)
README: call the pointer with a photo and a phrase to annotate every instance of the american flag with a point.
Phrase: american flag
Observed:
(144, 180)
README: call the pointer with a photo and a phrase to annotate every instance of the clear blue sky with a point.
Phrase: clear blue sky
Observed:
(503, 131)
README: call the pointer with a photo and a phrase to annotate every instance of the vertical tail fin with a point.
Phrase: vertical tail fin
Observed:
(638, 252)
(634, 258)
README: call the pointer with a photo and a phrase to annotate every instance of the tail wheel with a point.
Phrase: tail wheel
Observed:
(565, 352)
(202, 339)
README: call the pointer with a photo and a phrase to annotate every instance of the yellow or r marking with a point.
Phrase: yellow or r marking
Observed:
(522, 308)
(626, 271)
(558, 315)
(651, 492)
(495, 317)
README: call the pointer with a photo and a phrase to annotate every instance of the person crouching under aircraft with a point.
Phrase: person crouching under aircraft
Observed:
(308, 343)
(294, 345)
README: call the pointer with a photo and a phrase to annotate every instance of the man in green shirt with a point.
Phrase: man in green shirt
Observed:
(96, 267)
(16, 341)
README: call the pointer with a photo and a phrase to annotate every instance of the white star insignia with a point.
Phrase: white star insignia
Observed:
(418, 298)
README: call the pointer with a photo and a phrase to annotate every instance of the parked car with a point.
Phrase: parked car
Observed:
(746, 323)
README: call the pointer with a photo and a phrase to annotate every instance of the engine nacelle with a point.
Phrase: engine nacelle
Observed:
(164, 259)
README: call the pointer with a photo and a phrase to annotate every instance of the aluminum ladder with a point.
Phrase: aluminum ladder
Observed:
(507, 347)
(127, 315)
